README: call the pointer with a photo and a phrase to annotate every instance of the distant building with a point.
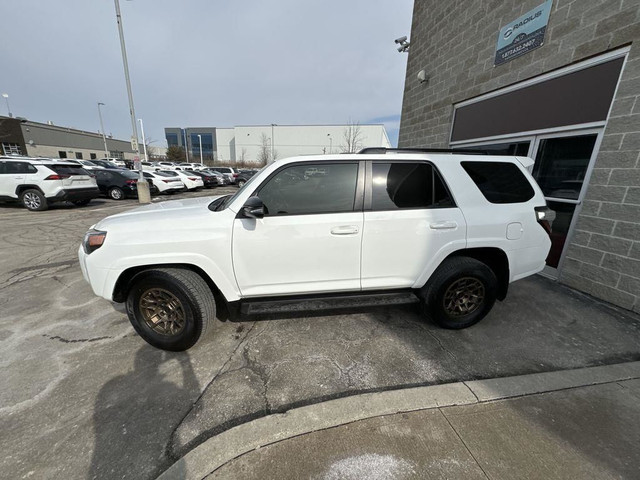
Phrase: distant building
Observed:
(24, 137)
(249, 143)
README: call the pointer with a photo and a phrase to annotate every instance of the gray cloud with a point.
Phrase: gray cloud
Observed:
(205, 62)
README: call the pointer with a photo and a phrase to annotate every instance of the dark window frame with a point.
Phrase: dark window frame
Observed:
(368, 198)
(358, 195)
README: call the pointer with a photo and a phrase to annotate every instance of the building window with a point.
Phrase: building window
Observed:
(93, 156)
(11, 149)
(116, 154)
(172, 139)
(78, 155)
(207, 145)
(62, 154)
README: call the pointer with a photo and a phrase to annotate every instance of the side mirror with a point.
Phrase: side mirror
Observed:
(253, 208)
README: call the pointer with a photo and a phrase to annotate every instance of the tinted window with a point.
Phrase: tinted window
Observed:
(500, 182)
(165, 174)
(20, 167)
(68, 170)
(407, 185)
(128, 174)
(2, 168)
(306, 189)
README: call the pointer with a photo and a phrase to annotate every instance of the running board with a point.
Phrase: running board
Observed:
(302, 303)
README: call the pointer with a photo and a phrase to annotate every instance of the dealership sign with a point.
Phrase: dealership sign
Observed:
(524, 34)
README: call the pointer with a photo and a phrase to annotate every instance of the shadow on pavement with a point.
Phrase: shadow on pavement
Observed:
(135, 413)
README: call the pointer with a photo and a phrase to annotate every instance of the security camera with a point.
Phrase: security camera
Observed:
(400, 40)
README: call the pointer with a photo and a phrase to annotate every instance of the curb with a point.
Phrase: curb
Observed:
(218, 450)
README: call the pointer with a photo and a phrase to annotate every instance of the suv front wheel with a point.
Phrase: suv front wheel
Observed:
(34, 200)
(461, 292)
(170, 307)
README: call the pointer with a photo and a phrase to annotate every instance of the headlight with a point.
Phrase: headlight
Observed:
(93, 240)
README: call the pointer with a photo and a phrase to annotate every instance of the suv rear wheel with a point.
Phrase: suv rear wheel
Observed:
(170, 307)
(34, 200)
(461, 292)
(116, 193)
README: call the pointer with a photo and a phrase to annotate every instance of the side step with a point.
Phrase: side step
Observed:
(328, 302)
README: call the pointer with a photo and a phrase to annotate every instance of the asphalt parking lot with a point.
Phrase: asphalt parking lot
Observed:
(84, 397)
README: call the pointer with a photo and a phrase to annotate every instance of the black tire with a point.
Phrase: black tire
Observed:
(241, 183)
(34, 200)
(460, 293)
(81, 203)
(196, 301)
(116, 193)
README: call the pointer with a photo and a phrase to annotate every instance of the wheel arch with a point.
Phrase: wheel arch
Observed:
(130, 275)
(27, 186)
(496, 259)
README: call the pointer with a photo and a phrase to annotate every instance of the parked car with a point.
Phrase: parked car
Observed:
(222, 179)
(192, 166)
(36, 183)
(449, 231)
(228, 172)
(169, 166)
(244, 176)
(107, 164)
(208, 179)
(165, 182)
(119, 184)
(87, 164)
(191, 181)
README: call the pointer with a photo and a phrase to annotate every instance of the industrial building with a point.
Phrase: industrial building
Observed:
(19, 136)
(555, 80)
(251, 142)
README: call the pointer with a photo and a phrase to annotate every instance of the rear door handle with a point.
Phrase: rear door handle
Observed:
(447, 225)
(345, 230)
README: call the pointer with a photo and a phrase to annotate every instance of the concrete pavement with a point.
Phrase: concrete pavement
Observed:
(582, 423)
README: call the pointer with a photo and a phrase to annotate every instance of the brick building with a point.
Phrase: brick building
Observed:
(558, 81)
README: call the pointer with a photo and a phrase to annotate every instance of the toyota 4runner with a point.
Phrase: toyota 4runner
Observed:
(449, 231)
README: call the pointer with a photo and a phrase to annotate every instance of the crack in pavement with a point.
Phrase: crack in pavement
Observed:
(78, 340)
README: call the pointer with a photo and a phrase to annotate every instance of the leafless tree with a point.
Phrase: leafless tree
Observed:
(264, 152)
(243, 155)
(352, 138)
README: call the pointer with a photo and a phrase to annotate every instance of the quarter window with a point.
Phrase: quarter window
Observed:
(311, 188)
(500, 182)
(407, 185)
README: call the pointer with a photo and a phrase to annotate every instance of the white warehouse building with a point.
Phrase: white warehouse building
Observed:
(253, 143)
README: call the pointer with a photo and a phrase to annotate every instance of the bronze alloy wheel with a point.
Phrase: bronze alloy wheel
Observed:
(162, 311)
(463, 297)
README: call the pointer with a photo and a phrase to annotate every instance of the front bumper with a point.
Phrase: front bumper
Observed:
(74, 194)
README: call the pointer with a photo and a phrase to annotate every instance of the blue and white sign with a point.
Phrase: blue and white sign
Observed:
(524, 34)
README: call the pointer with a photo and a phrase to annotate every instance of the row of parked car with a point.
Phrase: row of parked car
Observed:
(38, 182)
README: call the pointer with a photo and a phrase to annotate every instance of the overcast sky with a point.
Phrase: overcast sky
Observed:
(205, 62)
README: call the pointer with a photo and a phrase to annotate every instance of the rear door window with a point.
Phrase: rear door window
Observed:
(20, 167)
(398, 185)
(500, 182)
(68, 170)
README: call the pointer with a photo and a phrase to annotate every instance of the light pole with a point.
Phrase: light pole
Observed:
(330, 143)
(144, 141)
(186, 150)
(200, 140)
(6, 97)
(144, 196)
(104, 137)
(272, 125)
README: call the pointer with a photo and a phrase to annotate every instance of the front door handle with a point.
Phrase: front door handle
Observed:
(447, 225)
(345, 230)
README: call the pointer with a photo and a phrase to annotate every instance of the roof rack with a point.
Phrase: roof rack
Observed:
(422, 150)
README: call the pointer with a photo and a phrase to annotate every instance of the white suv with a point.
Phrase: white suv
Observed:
(37, 182)
(449, 231)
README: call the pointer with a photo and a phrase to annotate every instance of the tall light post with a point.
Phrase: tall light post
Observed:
(104, 137)
(272, 125)
(144, 196)
(200, 140)
(6, 97)
(144, 141)
(330, 143)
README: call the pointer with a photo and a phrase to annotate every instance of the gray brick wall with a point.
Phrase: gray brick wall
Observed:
(454, 42)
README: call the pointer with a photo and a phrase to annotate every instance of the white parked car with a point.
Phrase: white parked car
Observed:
(191, 182)
(165, 182)
(192, 166)
(169, 166)
(36, 183)
(447, 230)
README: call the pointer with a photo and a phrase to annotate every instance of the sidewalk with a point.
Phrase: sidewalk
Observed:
(582, 423)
